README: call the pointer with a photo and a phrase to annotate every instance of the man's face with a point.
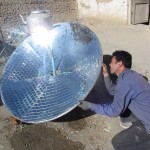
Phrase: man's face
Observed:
(114, 65)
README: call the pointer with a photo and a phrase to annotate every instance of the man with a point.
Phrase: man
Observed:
(133, 92)
(126, 117)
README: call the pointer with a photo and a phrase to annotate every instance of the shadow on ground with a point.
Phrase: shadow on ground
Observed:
(39, 137)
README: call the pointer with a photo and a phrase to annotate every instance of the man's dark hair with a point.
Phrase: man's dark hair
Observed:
(123, 56)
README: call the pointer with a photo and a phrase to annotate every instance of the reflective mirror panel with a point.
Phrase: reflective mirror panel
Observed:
(50, 72)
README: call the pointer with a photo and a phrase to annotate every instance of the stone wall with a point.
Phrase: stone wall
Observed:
(61, 10)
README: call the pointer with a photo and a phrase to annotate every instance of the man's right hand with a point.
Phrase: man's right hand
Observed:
(105, 70)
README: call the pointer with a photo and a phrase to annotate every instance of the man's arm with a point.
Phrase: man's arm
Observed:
(110, 86)
(120, 103)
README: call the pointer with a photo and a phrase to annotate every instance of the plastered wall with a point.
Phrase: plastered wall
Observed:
(108, 8)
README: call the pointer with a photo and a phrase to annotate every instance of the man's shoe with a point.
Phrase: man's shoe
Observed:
(126, 125)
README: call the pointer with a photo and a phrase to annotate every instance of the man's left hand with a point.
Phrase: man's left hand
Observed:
(85, 105)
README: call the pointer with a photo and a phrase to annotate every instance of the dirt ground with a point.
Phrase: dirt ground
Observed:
(80, 129)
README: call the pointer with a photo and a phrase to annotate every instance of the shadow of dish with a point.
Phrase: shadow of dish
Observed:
(98, 95)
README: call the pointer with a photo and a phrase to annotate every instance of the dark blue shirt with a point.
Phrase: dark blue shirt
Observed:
(132, 91)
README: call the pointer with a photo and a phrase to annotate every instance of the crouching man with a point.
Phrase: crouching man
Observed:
(132, 92)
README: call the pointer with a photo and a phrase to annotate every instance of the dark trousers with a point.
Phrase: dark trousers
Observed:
(133, 138)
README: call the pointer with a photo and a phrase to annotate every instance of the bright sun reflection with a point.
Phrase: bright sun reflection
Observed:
(43, 36)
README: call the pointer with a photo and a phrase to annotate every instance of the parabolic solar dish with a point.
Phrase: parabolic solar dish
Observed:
(49, 73)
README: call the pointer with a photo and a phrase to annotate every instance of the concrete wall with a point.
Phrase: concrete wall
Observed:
(61, 10)
(109, 8)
